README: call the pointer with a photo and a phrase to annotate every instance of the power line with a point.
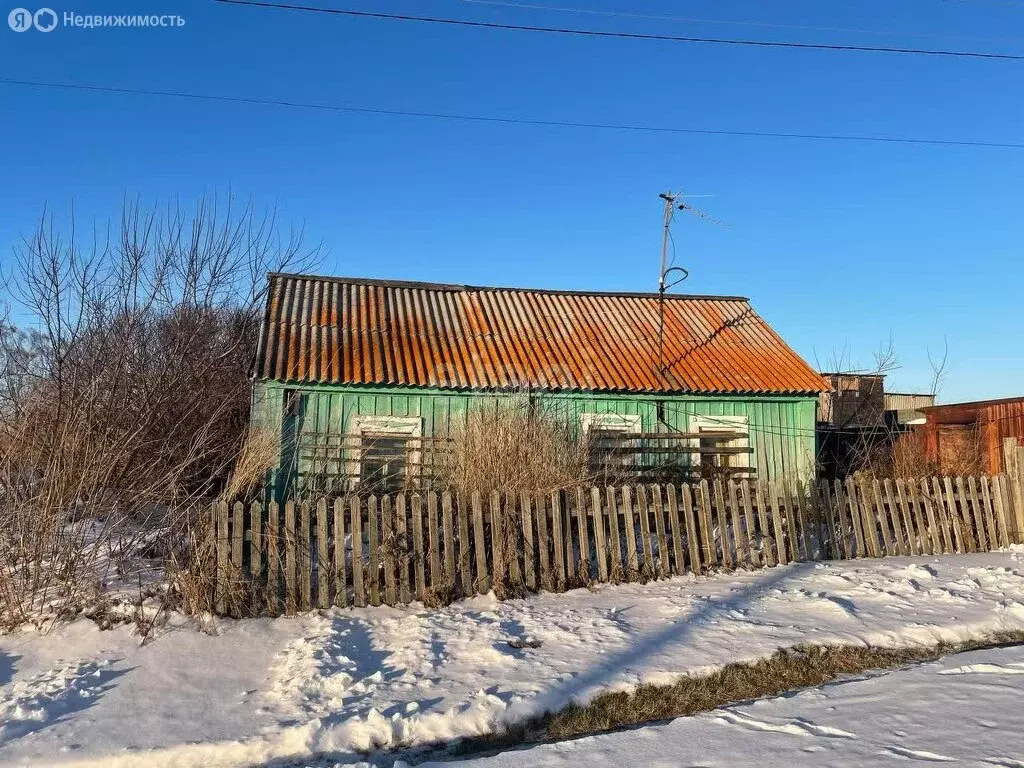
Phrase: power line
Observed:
(513, 120)
(733, 22)
(626, 35)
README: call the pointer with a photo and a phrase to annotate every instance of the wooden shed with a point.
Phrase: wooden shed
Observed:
(955, 428)
(364, 380)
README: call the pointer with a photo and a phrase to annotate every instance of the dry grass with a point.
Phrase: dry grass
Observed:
(257, 456)
(786, 670)
(514, 446)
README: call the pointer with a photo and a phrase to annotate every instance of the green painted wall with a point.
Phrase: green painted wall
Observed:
(781, 427)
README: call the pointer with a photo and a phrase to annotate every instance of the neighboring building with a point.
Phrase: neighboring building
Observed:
(904, 408)
(955, 430)
(856, 416)
(366, 378)
(852, 400)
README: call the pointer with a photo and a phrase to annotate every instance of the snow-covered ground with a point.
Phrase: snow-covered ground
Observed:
(961, 709)
(323, 687)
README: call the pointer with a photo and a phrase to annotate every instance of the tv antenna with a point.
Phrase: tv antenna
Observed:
(673, 202)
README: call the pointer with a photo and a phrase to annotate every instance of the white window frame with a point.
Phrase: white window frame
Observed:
(702, 423)
(405, 426)
(614, 422)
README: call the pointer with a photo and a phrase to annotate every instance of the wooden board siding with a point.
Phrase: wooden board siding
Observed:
(781, 427)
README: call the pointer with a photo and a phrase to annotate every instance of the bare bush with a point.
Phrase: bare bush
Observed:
(124, 395)
(514, 446)
(257, 456)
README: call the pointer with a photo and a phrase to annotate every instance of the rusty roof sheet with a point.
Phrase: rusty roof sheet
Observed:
(357, 331)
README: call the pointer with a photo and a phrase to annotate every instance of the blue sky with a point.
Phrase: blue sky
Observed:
(838, 244)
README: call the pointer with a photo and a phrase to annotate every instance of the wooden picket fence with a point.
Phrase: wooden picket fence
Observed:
(434, 547)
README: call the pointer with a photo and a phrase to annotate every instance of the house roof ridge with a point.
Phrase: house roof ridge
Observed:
(430, 286)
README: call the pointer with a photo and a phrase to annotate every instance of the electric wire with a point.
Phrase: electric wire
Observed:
(504, 120)
(627, 35)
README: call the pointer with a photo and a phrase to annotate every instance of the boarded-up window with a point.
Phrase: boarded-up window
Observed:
(612, 452)
(716, 433)
(388, 452)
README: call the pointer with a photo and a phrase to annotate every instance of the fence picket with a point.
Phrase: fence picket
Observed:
(987, 511)
(1005, 495)
(931, 521)
(964, 515)
(647, 567)
(911, 524)
(512, 531)
(828, 509)
(483, 581)
(632, 566)
(434, 541)
(222, 545)
(543, 551)
(356, 529)
(570, 566)
(373, 531)
(751, 533)
(273, 558)
(659, 529)
(868, 520)
(889, 543)
(775, 515)
(323, 562)
(387, 535)
(980, 533)
(340, 570)
(999, 507)
(614, 539)
(255, 534)
(888, 502)
(583, 571)
(557, 545)
(945, 519)
(912, 515)
(529, 571)
(949, 513)
(741, 550)
(842, 519)
(402, 548)
(290, 574)
(497, 550)
(707, 525)
(693, 544)
(599, 546)
(718, 487)
(465, 557)
(767, 550)
(675, 531)
(792, 542)
(237, 536)
(448, 532)
(418, 559)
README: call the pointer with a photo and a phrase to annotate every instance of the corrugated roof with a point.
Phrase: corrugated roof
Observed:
(357, 331)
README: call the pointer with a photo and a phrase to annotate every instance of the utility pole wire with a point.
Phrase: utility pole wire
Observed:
(626, 35)
(508, 120)
(738, 23)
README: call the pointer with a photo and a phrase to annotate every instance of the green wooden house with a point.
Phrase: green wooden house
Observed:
(364, 380)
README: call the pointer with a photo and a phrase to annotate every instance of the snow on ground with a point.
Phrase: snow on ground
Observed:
(335, 683)
(963, 708)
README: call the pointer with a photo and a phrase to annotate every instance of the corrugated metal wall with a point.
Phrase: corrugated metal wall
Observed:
(781, 427)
